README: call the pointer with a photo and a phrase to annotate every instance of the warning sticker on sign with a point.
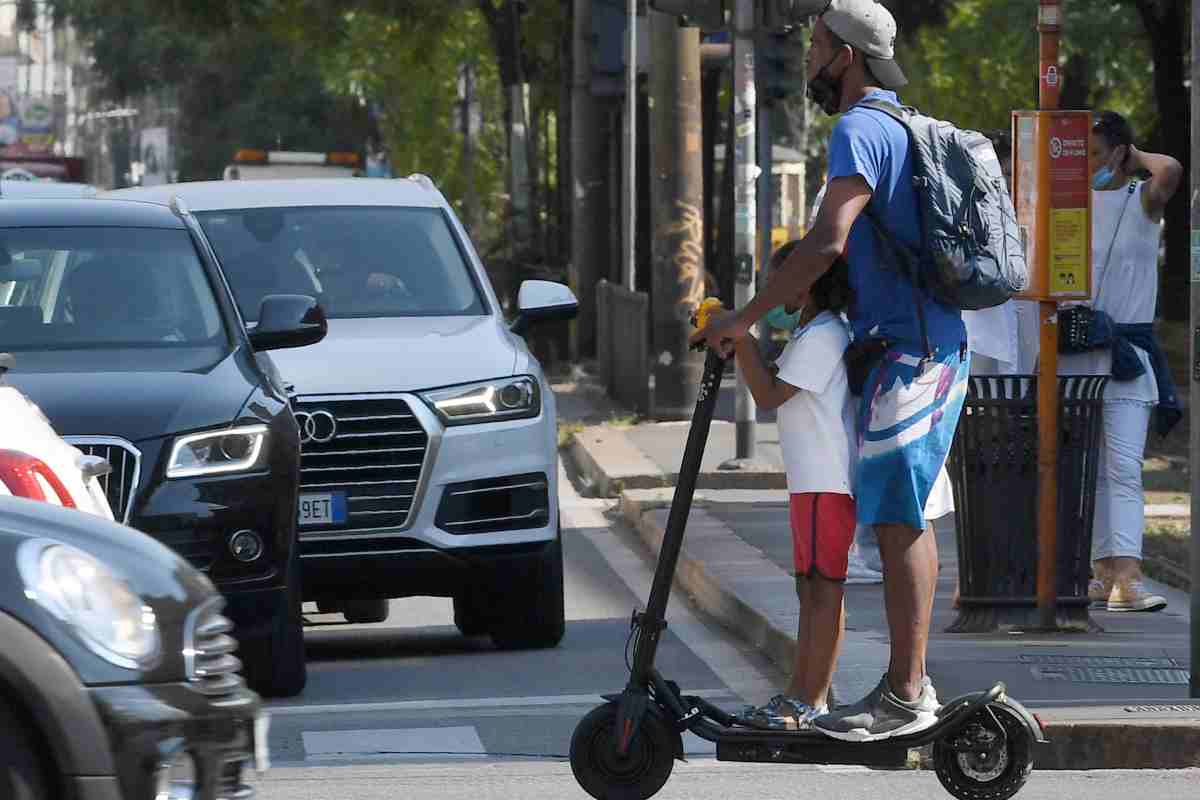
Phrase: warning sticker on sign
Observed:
(1068, 251)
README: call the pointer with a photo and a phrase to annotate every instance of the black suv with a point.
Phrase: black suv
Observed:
(125, 334)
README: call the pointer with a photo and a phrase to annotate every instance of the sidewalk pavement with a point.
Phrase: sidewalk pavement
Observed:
(613, 458)
(1112, 698)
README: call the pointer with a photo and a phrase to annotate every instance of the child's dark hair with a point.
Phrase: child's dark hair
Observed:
(832, 290)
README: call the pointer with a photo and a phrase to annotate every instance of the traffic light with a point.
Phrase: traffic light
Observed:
(780, 15)
(708, 15)
(781, 66)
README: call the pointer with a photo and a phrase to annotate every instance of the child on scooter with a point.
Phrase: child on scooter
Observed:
(816, 418)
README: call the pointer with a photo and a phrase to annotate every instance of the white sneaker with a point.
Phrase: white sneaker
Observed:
(1132, 596)
(859, 572)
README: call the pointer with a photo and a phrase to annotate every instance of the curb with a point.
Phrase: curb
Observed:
(613, 464)
(1158, 737)
(714, 598)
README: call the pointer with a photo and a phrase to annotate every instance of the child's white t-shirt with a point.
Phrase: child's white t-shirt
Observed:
(817, 427)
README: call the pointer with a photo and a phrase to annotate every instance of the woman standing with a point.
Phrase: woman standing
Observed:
(1126, 229)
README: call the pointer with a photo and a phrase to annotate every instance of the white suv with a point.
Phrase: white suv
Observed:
(429, 447)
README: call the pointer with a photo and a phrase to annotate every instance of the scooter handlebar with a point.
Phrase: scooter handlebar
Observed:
(703, 312)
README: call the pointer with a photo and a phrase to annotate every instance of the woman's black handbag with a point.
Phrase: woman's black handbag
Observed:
(1074, 329)
(1075, 322)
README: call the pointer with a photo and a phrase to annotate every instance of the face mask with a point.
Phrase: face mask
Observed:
(826, 91)
(1103, 178)
(780, 319)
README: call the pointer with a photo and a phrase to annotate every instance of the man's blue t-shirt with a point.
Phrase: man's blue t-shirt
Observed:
(871, 144)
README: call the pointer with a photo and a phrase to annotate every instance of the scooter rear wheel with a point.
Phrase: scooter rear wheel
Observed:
(982, 762)
(603, 774)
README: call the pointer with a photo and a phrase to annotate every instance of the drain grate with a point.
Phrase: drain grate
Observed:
(1157, 670)
(1136, 662)
(1182, 708)
(1162, 677)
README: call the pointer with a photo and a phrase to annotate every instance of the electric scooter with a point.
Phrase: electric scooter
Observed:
(625, 749)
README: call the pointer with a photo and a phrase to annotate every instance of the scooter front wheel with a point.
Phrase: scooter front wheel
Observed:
(603, 774)
(989, 758)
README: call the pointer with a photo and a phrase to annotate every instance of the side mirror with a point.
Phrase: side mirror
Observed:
(288, 320)
(543, 301)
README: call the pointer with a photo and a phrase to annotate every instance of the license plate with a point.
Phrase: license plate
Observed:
(322, 509)
(262, 757)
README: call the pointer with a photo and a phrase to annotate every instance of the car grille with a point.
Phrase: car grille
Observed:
(208, 651)
(121, 484)
(373, 454)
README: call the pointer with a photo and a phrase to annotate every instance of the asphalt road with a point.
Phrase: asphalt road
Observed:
(410, 708)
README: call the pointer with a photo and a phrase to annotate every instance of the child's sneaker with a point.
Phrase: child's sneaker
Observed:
(781, 713)
(1131, 595)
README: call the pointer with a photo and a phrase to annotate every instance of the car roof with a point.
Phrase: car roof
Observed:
(88, 213)
(45, 189)
(290, 192)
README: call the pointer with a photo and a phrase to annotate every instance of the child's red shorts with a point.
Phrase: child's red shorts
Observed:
(822, 532)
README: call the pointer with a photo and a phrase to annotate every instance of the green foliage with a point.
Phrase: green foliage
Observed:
(982, 63)
(238, 82)
(416, 90)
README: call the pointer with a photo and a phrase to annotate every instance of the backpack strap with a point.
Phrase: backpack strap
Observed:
(902, 254)
(896, 111)
(908, 264)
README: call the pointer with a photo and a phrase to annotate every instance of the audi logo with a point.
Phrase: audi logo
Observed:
(316, 426)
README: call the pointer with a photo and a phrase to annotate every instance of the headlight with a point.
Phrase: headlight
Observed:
(214, 452)
(486, 401)
(106, 615)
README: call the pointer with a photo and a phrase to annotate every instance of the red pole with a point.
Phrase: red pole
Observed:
(1049, 83)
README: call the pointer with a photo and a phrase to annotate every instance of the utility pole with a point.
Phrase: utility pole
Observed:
(1194, 397)
(1049, 30)
(765, 194)
(629, 243)
(467, 93)
(589, 159)
(744, 198)
(677, 202)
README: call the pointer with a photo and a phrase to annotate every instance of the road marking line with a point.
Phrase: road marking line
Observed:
(473, 702)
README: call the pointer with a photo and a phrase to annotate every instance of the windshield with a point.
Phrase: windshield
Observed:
(358, 261)
(66, 288)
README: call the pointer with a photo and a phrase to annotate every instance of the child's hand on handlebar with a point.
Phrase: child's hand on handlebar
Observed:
(723, 329)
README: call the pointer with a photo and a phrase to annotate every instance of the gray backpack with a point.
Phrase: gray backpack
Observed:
(971, 254)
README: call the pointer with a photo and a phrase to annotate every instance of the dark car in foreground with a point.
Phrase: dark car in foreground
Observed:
(118, 677)
(125, 334)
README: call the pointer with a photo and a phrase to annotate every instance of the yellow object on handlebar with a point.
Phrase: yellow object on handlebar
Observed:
(703, 312)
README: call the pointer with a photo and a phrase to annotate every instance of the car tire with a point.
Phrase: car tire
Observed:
(275, 664)
(470, 615)
(534, 616)
(365, 610)
(23, 774)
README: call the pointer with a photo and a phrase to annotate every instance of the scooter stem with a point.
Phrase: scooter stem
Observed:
(652, 621)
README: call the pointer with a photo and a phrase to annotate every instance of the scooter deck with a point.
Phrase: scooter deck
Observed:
(813, 747)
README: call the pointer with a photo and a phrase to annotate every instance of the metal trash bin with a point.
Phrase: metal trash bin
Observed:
(993, 468)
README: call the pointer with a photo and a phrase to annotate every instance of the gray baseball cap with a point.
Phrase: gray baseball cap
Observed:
(868, 26)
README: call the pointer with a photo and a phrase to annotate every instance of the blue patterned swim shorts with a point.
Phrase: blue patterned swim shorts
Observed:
(906, 422)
